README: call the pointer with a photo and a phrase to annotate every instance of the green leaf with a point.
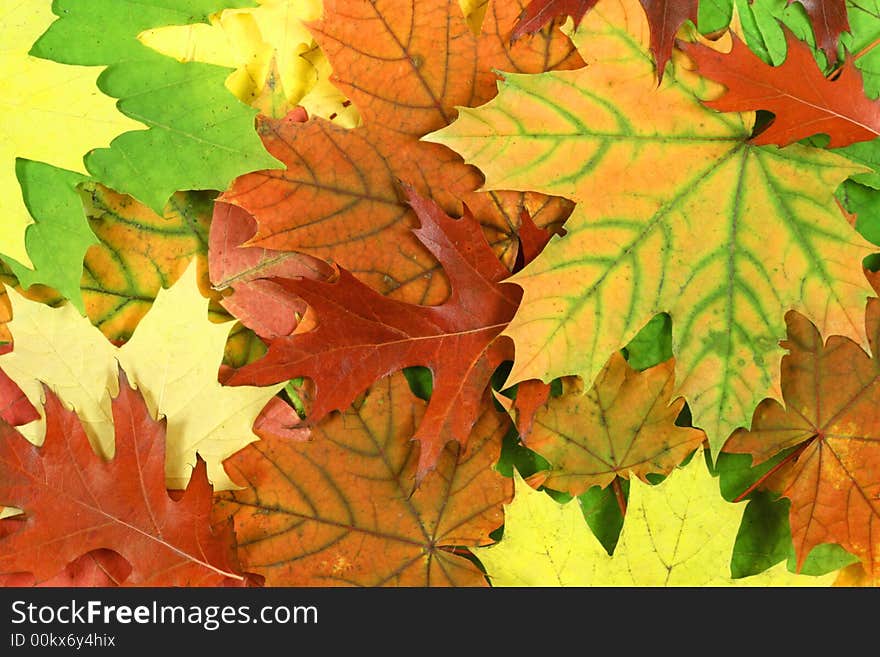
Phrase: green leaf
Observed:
(58, 239)
(714, 15)
(199, 136)
(652, 345)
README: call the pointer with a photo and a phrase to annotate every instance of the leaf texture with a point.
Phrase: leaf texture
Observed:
(339, 198)
(623, 426)
(678, 533)
(726, 241)
(339, 510)
(831, 390)
(803, 100)
(76, 502)
(362, 336)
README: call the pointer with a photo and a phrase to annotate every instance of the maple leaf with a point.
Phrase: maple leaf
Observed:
(829, 21)
(338, 198)
(340, 509)
(540, 13)
(275, 57)
(42, 125)
(624, 425)
(831, 391)
(362, 336)
(15, 408)
(677, 533)
(174, 356)
(726, 241)
(803, 100)
(198, 136)
(76, 502)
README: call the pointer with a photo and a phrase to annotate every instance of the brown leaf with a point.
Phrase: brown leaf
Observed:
(624, 424)
(104, 568)
(74, 502)
(340, 510)
(832, 398)
(829, 20)
(540, 13)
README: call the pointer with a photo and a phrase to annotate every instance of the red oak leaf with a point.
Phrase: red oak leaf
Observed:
(829, 19)
(362, 336)
(804, 101)
(75, 502)
(539, 13)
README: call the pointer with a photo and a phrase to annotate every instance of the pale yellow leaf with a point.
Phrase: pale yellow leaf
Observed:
(678, 533)
(173, 358)
(49, 112)
(270, 48)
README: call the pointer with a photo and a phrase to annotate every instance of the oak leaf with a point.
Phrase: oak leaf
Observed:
(174, 356)
(338, 198)
(677, 533)
(76, 502)
(362, 336)
(726, 241)
(802, 99)
(623, 426)
(829, 21)
(831, 390)
(101, 567)
(539, 13)
(340, 509)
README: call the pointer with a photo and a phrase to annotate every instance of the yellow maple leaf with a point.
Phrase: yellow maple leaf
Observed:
(678, 533)
(173, 358)
(49, 112)
(277, 63)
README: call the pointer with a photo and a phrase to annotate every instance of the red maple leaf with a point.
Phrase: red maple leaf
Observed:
(362, 336)
(803, 100)
(75, 502)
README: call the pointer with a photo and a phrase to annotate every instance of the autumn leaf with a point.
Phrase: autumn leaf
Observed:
(51, 116)
(665, 17)
(198, 136)
(15, 408)
(173, 356)
(77, 502)
(254, 39)
(727, 240)
(98, 568)
(338, 198)
(831, 390)
(624, 425)
(677, 533)
(829, 21)
(802, 99)
(362, 336)
(340, 509)
(539, 13)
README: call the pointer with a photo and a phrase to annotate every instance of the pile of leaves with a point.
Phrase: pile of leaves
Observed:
(440, 292)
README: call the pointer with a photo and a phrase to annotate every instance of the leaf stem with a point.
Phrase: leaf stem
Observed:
(864, 51)
(618, 494)
(788, 459)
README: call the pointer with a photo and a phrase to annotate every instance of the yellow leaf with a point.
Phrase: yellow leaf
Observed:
(49, 112)
(173, 358)
(271, 49)
(474, 11)
(678, 533)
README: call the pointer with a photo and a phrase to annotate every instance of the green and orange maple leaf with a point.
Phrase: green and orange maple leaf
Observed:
(727, 240)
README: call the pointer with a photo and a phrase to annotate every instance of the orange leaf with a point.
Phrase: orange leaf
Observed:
(340, 509)
(338, 198)
(102, 567)
(74, 502)
(624, 424)
(832, 396)
(804, 101)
